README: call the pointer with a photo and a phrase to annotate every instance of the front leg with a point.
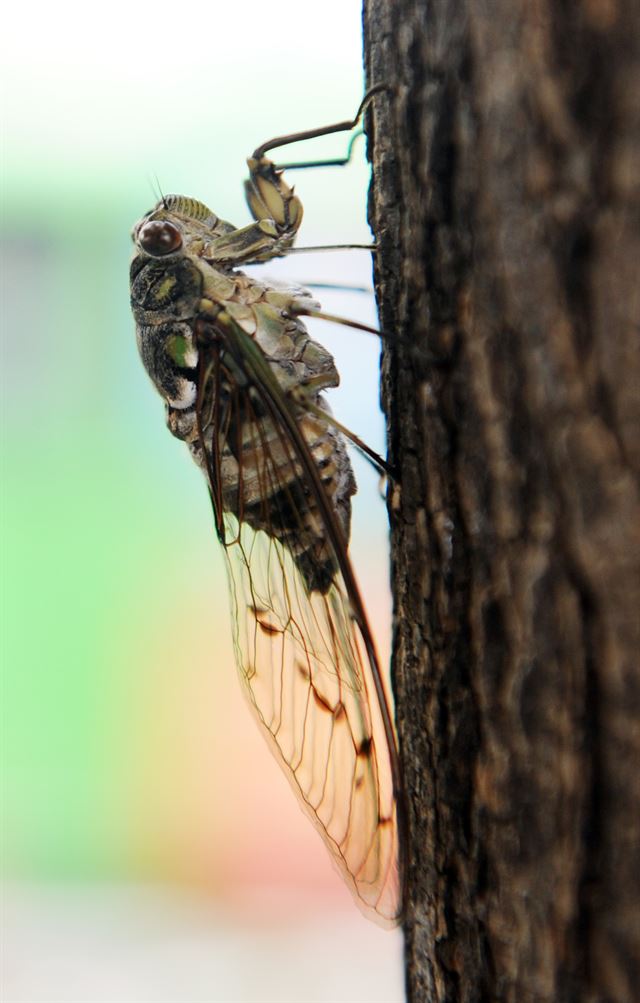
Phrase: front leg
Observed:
(278, 214)
(268, 196)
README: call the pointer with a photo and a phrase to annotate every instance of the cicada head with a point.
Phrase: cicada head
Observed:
(177, 224)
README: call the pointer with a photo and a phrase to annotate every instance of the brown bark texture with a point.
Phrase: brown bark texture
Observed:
(505, 204)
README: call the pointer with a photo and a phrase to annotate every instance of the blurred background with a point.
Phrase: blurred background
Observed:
(151, 849)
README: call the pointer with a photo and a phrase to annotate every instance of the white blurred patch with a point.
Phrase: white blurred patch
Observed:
(110, 944)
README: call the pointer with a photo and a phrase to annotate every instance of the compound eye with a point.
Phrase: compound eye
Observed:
(159, 237)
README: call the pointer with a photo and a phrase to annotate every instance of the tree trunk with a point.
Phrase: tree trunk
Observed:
(506, 209)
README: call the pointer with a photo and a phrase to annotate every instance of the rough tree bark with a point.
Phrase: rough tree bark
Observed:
(506, 208)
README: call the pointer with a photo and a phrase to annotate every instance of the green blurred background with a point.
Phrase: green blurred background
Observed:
(128, 756)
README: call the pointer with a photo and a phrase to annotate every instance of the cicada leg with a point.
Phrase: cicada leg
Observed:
(323, 130)
(301, 395)
(278, 214)
(272, 203)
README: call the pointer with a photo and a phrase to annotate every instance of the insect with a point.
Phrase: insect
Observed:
(243, 386)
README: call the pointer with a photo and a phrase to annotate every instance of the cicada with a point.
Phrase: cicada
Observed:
(243, 385)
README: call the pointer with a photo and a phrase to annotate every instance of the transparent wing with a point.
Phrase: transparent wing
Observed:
(304, 653)
(308, 681)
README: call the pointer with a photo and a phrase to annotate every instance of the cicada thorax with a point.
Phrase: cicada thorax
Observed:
(164, 297)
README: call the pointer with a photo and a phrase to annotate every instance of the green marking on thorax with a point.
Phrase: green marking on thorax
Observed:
(164, 288)
(177, 347)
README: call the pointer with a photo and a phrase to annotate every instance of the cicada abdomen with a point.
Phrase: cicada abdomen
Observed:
(243, 386)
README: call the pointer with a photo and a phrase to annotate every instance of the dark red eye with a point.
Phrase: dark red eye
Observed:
(158, 237)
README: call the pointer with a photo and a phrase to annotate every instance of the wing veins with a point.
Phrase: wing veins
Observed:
(339, 613)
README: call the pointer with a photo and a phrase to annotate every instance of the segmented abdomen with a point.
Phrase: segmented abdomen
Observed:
(264, 485)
